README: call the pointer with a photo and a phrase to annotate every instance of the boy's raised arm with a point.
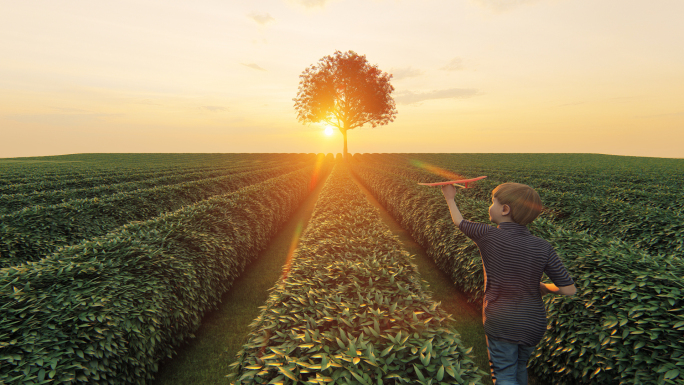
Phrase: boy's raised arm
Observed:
(449, 192)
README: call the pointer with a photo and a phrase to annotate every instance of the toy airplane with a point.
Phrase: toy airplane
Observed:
(454, 182)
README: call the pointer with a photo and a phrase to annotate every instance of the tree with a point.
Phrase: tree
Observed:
(345, 91)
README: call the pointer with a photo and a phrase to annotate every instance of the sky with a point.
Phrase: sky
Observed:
(470, 76)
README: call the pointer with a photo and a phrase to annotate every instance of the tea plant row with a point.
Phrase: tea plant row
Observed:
(648, 174)
(36, 181)
(108, 309)
(29, 178)
(350, 309)
(655, 230)
(661, 187)
(36, 231)
(624, 326)
(15, 202)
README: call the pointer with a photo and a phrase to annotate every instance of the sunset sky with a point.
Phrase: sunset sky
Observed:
(581, 76)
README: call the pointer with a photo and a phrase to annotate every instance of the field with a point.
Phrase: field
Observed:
(109, 262)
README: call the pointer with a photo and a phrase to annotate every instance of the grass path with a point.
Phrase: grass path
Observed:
(205, 359)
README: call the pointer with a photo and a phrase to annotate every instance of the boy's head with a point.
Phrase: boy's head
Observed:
(524, 203)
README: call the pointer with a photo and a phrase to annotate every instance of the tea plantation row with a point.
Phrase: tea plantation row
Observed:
(18, 201)
(350, 309)
(36, 231)
(655, 230)
(647, 174)
(649, 182)
(625, 325)
(37, 182)
(92, 170)
(108, 309)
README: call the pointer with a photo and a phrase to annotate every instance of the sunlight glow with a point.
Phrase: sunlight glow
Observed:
(286, 270)
(291, 251)
(436, 170)
(317, 169)
(328, 131)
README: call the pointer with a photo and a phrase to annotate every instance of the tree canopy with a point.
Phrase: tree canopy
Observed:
(343, 90)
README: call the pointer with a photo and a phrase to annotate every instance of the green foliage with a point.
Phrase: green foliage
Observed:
(625, 325)
(350, 309)
(656, 230)
(651, 222)
(108, 309)
(18, 201)
(419, 211)
(582, 172)
(80, 171)
(36, 231)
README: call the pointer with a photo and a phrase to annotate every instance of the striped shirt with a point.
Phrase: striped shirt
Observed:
(513, 262)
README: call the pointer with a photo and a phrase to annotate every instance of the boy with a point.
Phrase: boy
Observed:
(513, 260)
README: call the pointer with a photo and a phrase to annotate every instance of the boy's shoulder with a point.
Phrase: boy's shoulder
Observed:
(540, 244)
(475, 230)
(475, 225)
(520, 233)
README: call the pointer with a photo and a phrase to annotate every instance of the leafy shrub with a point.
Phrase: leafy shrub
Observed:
(36, 231)
(18, 201)
(350, 308)
(107, 310)
(625, 325)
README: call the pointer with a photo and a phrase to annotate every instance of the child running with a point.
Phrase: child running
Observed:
(513, 261)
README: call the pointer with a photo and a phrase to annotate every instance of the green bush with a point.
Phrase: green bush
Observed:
(350, 308)
(36, 231)
(107, 310)
(651, 227)
(15, 202)
(624, 326)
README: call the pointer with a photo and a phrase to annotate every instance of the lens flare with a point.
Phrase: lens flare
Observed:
(286, 271)
(291, 250)
(317, 170)
(436, 170)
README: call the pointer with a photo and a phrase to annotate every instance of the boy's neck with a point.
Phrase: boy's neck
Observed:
(504, 220)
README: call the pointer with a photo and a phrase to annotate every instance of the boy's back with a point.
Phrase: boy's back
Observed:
(513, 262)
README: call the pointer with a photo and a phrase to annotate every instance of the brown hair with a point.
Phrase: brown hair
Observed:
(524, 202)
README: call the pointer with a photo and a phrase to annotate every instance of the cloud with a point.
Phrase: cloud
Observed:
(261, 18)
(409, 97)
(312, 3)
(503, 5)
(456, 64)
(69, 119)
(253, 66)
(71, 110)
(570, 104)
(669, 115)
(408, 72)
(214, 108)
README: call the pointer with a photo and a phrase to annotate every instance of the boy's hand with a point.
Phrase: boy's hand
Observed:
(549, 288)
(544, 289)
(449, 191)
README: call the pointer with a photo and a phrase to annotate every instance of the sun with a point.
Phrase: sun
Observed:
(329, 131)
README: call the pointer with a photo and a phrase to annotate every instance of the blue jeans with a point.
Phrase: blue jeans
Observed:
(508, 361)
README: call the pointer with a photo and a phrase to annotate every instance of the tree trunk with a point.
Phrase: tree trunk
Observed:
(344, 153)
